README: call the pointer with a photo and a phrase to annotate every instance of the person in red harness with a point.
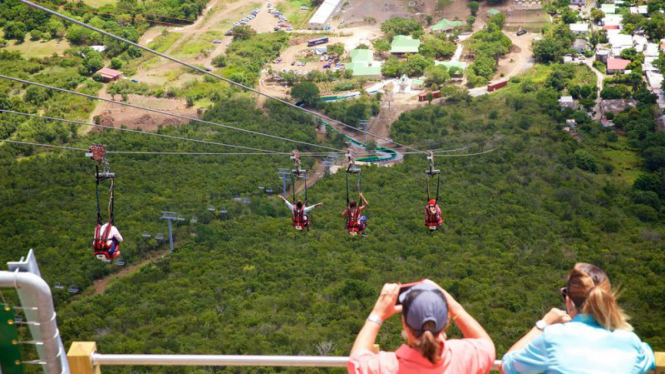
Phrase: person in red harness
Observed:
(355, 222)
(107, 240)
(433, 214)
(300, 211)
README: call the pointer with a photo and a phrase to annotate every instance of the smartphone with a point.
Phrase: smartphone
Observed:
(405, 287)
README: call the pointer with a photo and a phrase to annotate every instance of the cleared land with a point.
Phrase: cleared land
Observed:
(531, 20)
(39, 48)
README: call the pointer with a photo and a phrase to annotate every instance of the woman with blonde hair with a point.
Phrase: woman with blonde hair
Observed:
(594, 336)
(426, 313)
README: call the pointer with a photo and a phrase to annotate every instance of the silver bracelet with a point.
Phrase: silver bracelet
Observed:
(374, 318)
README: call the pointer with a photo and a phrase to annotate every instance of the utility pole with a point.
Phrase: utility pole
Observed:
(284, 173)
(170, 216)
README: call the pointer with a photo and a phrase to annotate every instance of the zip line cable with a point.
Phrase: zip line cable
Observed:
(315, 114)
(136, 131)
(164, 153)
(168, 114)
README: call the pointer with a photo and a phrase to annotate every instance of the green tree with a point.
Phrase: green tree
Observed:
(585, 161)
(243, 32)
(470, 21)
(597, 14)
(473, 6)
(436, 75)
(337, 48)
(116, 63)
(381, 45)
(306, 92)
(92, 62)
(15, 30)
(219, 61)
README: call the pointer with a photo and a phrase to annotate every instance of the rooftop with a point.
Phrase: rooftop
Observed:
(360, 55)
(445, 24)
(109, 72)
(608, 8)
(405, 44)
(616, 105)
(566, 99)
(493, 12)
(579, 27)
(617, 64)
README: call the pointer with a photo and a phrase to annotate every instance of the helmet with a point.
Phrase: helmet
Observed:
(432, 202)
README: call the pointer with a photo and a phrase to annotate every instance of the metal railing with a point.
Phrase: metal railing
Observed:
(226, 360)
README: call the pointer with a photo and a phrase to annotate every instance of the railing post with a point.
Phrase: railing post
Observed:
(80, 358)
(660, 363)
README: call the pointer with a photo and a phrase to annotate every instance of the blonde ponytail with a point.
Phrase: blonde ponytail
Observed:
(591, 292)
(428, 344)
(602, 305)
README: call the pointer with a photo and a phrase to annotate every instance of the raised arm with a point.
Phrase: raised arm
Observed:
(364, 200)
(470, 328)
(383, 309)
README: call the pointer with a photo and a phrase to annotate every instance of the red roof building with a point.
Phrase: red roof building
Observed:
(611, 27)
(109, 75)
(616, 65)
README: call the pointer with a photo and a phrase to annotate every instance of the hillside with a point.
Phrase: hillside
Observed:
(517, 219)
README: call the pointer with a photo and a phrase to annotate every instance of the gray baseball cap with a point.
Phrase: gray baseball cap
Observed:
(422, 303)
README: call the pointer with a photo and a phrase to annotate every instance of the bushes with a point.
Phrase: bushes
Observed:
(401, 26)
(306, 92)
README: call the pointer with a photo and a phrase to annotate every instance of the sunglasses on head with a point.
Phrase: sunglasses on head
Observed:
(564, 293)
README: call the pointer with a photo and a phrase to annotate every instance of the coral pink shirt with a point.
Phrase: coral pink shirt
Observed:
(458, 356)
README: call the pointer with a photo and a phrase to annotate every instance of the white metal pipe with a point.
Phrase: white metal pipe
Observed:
(37, 288)
(225, 360)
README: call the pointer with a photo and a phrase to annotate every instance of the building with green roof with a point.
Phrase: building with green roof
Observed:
(446, 25)
(608, 8)
(493, 12)
(405, 44)
(363, 65)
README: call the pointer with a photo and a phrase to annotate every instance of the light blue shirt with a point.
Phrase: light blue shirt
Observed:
(581, 346)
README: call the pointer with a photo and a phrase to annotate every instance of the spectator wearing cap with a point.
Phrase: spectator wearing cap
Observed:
(426, 313)
(592, 337)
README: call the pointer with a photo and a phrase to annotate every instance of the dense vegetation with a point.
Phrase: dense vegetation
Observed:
(487, 45)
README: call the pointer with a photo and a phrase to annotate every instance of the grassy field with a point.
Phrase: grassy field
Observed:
(291, 10)
(201, 45)
(99, 3)
(626, 161)
(39, 48)
(531, 20)
(164, 42)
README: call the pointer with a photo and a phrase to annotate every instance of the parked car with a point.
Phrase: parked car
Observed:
(217, 41)
(581, 57)
(304, 8)
(304, 63)
(289, 28)
(279, 59)
(293, 63)
(228, 33)
(208, 69)
(276, 28)
(326, 66)
(236, 24)
(282, 25)
(521, 32)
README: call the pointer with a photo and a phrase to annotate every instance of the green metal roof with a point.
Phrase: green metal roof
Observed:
(405, 44)
(362, 69)
(359, 55)
(445, 24)
(493, 11)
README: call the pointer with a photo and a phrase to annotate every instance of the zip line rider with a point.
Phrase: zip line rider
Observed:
(300, 211)
(107, 237)
(356, 223)
(433, 217)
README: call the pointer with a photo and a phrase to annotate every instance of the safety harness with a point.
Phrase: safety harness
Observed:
(101, 244)
(299, 221)
(353, 214)
(432, 219)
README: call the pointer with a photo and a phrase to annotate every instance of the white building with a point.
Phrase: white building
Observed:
(651, 50)
(612, 20)
(324, 14)
(654, 79)
(619, 42)
(579, 28)
(567, 102)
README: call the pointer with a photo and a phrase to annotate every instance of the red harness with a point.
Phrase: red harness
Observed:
(299, 220)
(101, 245)
(431, 219)
(352, 223)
